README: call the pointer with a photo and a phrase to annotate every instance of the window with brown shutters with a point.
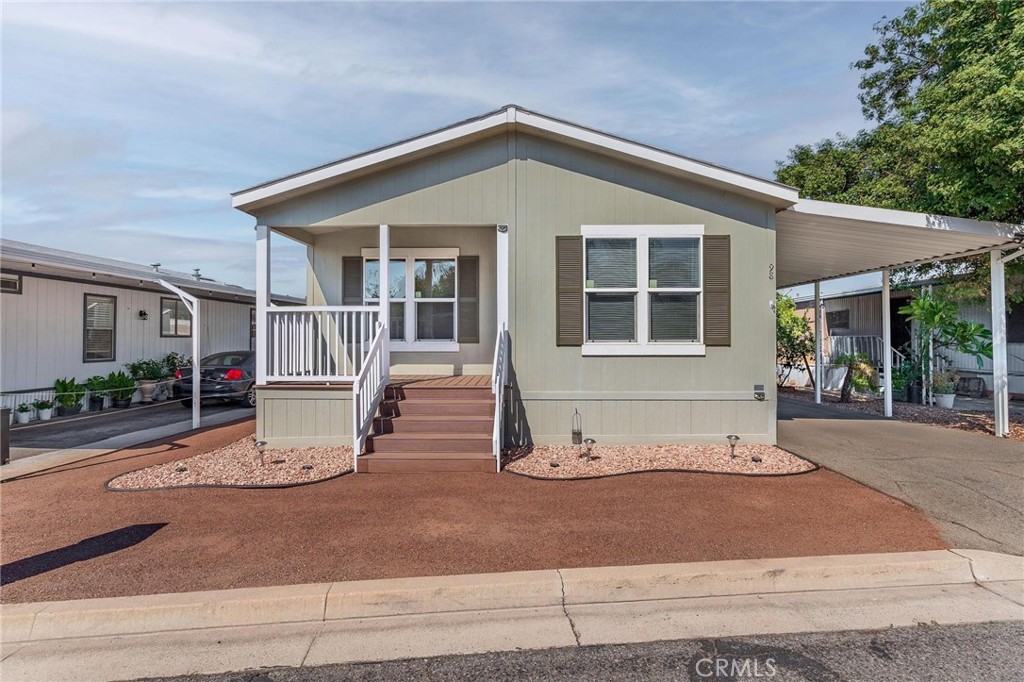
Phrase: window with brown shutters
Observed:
(643, 289)
(717, 291)
(569, 291)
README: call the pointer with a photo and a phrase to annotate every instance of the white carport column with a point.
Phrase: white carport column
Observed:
(886, 343)
(1000, 380)
(192, 304)
(818, 336)
(262, 301)
(384, 286)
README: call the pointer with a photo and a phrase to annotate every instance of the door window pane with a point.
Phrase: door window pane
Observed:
(674, 263)
(611, 264)
(435, 321)
(371, 279)
(674, 317)
(435, 278)
(611, 317)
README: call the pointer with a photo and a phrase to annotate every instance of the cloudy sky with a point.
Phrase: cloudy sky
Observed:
(125, 126)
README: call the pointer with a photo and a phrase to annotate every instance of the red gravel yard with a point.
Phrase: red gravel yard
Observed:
(64, 536)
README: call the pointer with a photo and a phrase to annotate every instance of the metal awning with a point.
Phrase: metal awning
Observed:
(820, 240)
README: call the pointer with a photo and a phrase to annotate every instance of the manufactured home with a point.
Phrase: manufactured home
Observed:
(517, 279)
(69, 314)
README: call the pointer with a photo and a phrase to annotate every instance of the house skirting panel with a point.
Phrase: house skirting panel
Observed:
(624, 422)
(296, 417)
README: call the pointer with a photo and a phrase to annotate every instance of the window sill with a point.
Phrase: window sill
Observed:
(424, 347)
(649, 349)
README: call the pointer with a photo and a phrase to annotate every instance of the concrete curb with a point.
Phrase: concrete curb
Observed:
(56, 458)
(325, 602)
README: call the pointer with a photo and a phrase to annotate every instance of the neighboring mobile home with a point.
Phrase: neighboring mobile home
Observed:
(72, 315)
(546, 268)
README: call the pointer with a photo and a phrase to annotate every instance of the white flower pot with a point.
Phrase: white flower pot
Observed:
(148, 387)
(22, 417)
(945, 400)
(44, 415)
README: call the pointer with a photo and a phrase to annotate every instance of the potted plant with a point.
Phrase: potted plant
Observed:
(45, 408)
(173, 362)
(68, 394)
(97, 387)
(148, 373)
(23, 413)
(121, 388)
(944, 388)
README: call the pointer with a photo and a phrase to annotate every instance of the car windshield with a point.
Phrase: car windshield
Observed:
(225, 359)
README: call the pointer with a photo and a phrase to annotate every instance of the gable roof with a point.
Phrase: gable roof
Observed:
(511, 118)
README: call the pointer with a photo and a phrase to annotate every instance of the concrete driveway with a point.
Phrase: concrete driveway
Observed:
(970, 485)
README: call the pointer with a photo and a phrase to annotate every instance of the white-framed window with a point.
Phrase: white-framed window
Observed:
(643, 289)
(99, 328)
(175, 319)
(423, 289)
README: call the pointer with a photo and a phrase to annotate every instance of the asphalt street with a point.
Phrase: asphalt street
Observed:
(993, 652)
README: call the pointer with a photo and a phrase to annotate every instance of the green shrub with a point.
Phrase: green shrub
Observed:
(68, 392)
(120, 386)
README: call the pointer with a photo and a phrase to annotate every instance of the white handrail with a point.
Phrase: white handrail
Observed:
(367, 391)
(499, 382)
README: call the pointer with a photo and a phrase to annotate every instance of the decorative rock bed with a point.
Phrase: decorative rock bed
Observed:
(238, 465)
(564, 461)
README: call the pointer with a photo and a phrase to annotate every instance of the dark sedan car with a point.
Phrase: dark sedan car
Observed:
(223, 376)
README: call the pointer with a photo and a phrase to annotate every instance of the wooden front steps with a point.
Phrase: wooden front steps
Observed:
(432, 426)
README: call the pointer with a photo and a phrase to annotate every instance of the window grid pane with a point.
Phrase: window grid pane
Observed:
(675, 317)
(99, 327)
(611, 264)
(435, 278)
(435, 321)
(611, 317)
(674, 263)
(371, 279)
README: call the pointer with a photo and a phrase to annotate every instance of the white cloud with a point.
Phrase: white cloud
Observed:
(184, 193)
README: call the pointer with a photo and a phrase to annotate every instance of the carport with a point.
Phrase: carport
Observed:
(820, 240)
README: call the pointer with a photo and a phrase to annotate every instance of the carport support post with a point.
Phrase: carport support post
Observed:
(886, 344)
(1000, 381)
(818, 333)
(192, 303)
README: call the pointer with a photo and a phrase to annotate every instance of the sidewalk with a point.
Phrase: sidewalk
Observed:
(306, 625)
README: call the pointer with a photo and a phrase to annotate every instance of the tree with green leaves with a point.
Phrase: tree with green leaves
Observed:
(945, 84)
(794, 339)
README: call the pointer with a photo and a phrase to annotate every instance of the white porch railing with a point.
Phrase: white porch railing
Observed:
(367, 391)
(872, 347)
(499, 384)
(319, 343)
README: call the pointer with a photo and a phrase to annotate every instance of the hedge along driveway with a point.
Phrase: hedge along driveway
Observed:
(65, 537)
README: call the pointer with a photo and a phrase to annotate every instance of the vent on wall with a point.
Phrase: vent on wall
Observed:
(10, 284)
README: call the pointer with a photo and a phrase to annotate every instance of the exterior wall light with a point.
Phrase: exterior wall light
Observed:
(143, 315)
(759, 392)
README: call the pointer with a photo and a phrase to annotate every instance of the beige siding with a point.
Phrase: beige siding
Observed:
(291, 417)
(41, 331)
(542, 189)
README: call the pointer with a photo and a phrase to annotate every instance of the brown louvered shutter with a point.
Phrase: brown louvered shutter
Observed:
(351, 280)
(469, 299)
(569, 291)
(717, 291)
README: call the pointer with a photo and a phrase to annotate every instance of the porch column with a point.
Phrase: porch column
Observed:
(886, 343)
(818, 334)
(385, 298)
(502, 257)
(262, 301)
(1000, 379)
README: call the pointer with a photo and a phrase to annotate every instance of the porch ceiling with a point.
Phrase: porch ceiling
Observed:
(819, 240)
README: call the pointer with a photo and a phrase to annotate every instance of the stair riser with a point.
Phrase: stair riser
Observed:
(421, 466)
(424, 407)
(413, 444)
(439, 425)
(438, 394)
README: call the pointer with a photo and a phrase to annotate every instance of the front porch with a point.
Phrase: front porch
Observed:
(389, 308)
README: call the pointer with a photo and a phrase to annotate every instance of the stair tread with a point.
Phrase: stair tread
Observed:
(442, 417)
(441, 401)
(431, 436)
(428, 455)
